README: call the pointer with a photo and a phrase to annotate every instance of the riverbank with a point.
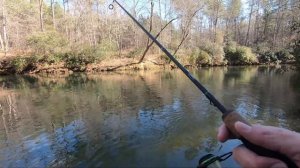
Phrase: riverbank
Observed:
(30, 65)
(33, 65)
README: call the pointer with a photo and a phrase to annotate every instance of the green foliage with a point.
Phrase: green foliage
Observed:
(200, 57)
(216, 51)
(52, 58)
(218, 55)
(262, 48)
(47, 42)
(239, 55)
(77, 61)
(21, 64)
(267, 57)
(108, 47)
(248, 57)
(285, 56)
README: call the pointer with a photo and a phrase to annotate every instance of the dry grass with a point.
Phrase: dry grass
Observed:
(8, 56)
(4, 93)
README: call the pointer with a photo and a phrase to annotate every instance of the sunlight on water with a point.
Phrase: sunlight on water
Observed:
(137, 119)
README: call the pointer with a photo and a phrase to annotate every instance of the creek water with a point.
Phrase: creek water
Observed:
(136, 119)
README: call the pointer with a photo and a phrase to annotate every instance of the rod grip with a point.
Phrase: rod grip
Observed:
(230, 118)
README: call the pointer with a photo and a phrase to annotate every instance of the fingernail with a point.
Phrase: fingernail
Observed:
(241, 127)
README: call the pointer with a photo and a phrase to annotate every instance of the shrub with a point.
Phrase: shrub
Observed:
(246, 55)
(285, 56)
(47, 42)
(267, 57)
(218, 55)
(54, 58)
(216, 51)
(200, 57)
(239, 55)
(77, 61)
(262, 48)
(230, 47)
(51, 58)
(21, 64)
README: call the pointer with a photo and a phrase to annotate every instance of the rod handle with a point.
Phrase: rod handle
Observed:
(230, 118)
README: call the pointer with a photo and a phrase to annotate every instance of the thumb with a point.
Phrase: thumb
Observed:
(273, 138)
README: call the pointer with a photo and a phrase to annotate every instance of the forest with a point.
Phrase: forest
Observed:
(75, 34)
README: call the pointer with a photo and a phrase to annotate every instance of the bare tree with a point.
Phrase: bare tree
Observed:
(41, 2)
(53, 13)
(4, 28)
(186, 30)
(249, 23)
(1, 42)
(89, 23)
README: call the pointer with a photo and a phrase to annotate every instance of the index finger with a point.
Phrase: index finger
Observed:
(223, 133)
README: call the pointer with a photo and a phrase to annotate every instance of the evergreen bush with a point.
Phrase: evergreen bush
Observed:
(200, 57)
(239, 55)
(21, 64)
(285, 56)
(77, 61)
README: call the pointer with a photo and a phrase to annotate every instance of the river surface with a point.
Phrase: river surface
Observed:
(136, 119)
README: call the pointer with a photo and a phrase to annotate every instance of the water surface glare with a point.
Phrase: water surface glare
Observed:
(136, 119)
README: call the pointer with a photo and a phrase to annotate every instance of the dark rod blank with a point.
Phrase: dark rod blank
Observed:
(229, 117)
(210, 97)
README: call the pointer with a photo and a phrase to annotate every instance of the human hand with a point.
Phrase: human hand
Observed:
(273, 138)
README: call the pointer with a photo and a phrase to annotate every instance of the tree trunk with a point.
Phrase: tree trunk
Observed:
(1, 42)
(160, 21)
(41, 15)
(215, 22)
(4, 22)
(257, 23)
(186, 32)
(215, 26)
(148, 46)
(53, 13)
(249, 24)
(235, 30)
(150, 30)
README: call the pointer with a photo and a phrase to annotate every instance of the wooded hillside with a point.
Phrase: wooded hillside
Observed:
(204, 32)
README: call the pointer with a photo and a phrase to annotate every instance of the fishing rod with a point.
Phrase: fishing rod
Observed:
(229, 116)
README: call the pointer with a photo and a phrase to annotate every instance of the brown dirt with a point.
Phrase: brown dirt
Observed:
(10, 55)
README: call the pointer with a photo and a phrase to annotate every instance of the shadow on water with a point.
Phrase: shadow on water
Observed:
(154, 118)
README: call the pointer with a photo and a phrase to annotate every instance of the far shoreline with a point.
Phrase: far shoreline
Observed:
(61, 69)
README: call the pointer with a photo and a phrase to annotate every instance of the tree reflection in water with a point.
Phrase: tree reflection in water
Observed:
(152, 118)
